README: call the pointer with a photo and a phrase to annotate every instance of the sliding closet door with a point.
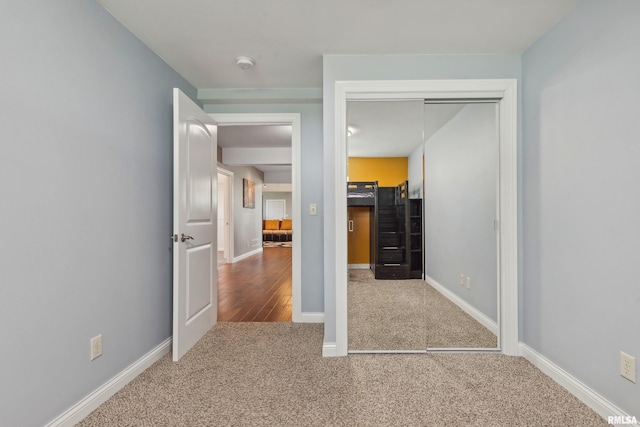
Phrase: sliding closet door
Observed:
(384, 314)
(460, 211)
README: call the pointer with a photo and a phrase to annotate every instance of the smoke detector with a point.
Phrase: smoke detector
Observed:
(245, 62)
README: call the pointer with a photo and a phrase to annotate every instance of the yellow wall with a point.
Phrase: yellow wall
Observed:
(388, 171)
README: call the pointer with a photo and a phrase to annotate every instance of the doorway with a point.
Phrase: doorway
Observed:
(504, 91)
(225, 216)
(293, 120)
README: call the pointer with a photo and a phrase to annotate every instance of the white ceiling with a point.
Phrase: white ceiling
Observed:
(254, 136)
(200, 39)
(258, 137)
(394, 128)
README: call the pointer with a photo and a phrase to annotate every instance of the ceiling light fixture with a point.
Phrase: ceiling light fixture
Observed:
(245, 62)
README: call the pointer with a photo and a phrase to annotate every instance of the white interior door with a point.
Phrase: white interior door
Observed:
(222, 218)
(194, 224)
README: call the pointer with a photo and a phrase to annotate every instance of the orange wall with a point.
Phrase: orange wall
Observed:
(388, 171)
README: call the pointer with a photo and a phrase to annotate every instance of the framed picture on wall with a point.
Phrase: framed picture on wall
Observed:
(248, 194)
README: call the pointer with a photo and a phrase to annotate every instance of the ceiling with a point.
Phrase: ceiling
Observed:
(258, 137)
(200, 39)
(254, 136)
(394, 128)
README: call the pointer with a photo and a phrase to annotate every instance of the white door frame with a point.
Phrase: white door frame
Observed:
(292, 119)
(228, 249)
(505, 91)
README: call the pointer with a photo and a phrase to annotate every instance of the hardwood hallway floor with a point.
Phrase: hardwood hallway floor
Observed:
(256, 289)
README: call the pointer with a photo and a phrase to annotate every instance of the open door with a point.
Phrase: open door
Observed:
(194, 223)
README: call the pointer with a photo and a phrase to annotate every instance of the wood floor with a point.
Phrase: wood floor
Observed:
(256, 289)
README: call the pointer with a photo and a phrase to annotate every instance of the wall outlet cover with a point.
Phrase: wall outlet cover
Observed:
(628, 366)
(96, 347)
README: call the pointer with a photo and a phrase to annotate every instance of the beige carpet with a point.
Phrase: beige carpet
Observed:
(407, 315)
(448, 326)
(385, 314)
(273, 374)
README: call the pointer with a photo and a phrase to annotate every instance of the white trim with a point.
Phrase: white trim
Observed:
(84, 407)
(359, 266)
(230, 188)
(247, 255)
(311, 317)
(479, 316)
(584, 393)
(505, 92)
(292, 119)
(329, 349)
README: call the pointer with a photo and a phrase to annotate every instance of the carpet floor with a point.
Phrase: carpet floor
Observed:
(273, 374)
(407, 315)
(385, 314)
(448, 326)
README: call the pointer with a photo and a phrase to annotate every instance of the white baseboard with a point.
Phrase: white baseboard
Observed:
(359, 266)
(311, 317)
(464, 306)
(329, 349)
(84, 407)
(247, 255)
(588, 396)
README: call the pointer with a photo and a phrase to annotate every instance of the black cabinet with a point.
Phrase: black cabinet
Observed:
(415, 239)
(397, 234)
(396, 229)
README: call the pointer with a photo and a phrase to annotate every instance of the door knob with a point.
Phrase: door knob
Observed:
(184, 237)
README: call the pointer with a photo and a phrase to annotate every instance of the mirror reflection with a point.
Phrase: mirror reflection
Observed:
(422, 215)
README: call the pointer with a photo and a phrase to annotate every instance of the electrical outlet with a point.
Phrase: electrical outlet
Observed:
(628, 366)
(462, 279)
(96, 347)
(468, 282)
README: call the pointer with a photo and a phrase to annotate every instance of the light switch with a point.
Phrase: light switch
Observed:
(313, 209)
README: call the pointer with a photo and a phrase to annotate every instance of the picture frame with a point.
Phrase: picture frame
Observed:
(248, 194)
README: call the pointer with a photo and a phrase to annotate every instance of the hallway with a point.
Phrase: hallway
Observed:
(256, 289)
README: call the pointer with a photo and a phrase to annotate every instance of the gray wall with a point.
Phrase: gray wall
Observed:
(86, 184)
(247, 222)
(415, 172)
(279, 195)
(461, 173)
(386, 67)
(581, 206)
(311, 183)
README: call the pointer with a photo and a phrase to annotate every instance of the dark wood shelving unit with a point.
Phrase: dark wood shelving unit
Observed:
(415, 239)
(396, 228)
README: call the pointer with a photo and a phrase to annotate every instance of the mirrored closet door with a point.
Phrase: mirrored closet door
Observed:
(422, 203)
